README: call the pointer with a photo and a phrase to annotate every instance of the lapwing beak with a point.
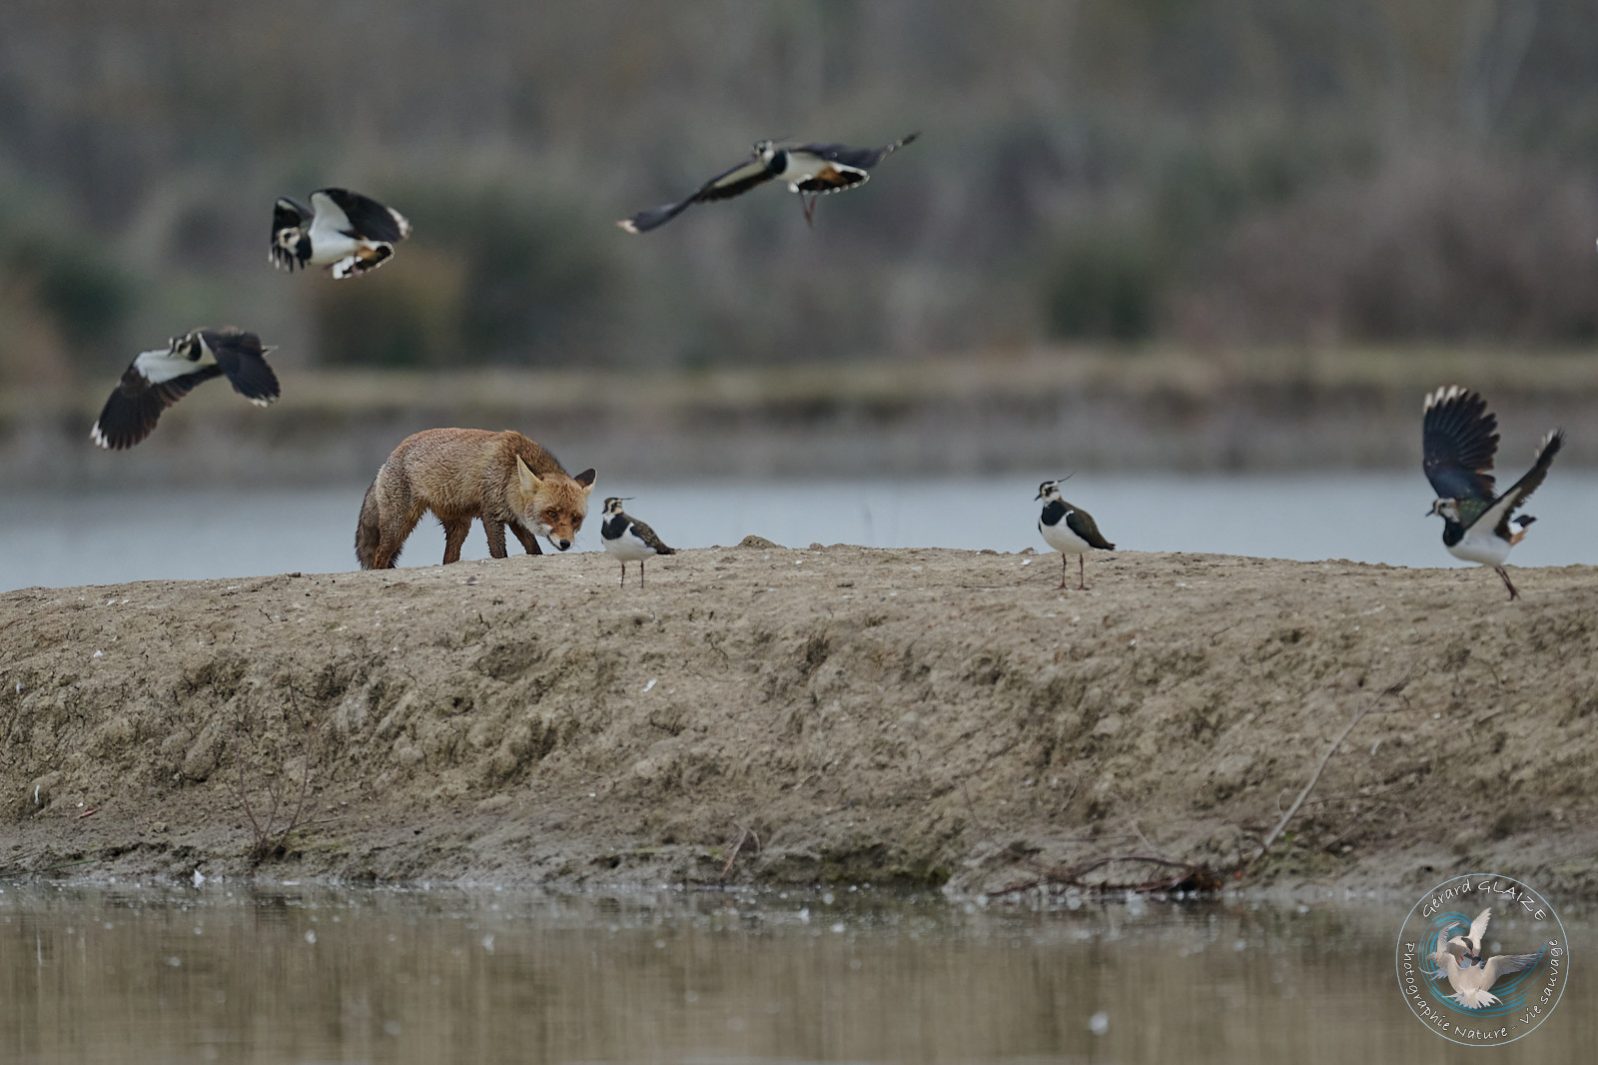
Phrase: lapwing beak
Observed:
(1037, 497)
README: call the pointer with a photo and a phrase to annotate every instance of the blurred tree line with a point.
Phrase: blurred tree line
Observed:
(1210, 174)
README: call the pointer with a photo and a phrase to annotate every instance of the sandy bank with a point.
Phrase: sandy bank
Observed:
(891, 716)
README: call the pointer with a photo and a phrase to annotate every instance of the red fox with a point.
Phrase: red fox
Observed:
(460, 474)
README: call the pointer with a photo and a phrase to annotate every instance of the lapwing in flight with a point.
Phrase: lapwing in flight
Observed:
(159, 378)
(811, 170)
(344, 231)
(1070, 530)
(1459, 440)
(629, 539)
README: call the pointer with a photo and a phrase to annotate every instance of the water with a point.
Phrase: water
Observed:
(104, 538)
(136, 975)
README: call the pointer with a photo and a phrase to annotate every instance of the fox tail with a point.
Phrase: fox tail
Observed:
(368, 530)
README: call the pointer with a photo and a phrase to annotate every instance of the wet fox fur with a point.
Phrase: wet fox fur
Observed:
(460, 474)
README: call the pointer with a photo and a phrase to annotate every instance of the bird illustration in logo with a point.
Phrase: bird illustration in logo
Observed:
(1459, 959)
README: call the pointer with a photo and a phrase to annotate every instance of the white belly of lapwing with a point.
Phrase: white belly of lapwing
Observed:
(1481, 545)
(1060, 537)
(629, 548)
(329, 244)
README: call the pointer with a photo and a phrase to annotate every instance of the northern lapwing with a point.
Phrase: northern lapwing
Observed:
(629, 539)
(1070, 530)
(344, 231)
(811, 170)
(1459, 440)
(159, 378)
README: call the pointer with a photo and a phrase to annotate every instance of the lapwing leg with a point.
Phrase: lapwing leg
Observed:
(1065, 570)
(640, 573)
(808, 202)
(1081, 573)
(1513, 593)
(624, 574)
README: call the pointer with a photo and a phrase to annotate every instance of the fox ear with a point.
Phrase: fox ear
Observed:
(526, 477)
(586, 479)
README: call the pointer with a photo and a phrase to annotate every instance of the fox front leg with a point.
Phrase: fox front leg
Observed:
(528, 540)
(495, 530)
(454, 536)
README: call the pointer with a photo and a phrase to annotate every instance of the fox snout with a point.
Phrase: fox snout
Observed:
(560, 529)
(555, 506)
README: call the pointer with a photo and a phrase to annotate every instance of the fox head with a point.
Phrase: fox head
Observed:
(553, 506)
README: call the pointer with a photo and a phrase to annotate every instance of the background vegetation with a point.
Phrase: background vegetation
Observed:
(1214, 175)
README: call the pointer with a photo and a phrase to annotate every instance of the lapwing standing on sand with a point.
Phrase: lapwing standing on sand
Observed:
(1070, 530)
(629, 539)
(1460, 438)
(157, 379)
(811, 170)
(344, 231)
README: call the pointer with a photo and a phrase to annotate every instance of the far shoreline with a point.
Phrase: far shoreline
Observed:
(1118, 411)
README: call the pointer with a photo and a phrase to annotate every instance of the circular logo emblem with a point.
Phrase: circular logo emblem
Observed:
(1482, 959)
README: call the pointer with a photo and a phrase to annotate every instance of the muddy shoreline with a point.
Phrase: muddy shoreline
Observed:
(760, 715)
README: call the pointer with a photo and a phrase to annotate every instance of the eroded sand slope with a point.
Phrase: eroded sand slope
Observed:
(862, 715)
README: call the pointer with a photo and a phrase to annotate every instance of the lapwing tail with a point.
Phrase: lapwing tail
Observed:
(364, 261)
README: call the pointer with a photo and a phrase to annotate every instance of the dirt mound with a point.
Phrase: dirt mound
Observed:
(764, 714)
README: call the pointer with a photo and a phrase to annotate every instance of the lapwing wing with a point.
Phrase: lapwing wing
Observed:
(344, 231)
(811, 170)
(1070, 530)
(159, 378)
(1459, 440)
(629, 539)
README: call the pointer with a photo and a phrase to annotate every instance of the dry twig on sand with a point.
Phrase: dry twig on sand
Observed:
(743, 838)
(1315, 777)
(1189, 876)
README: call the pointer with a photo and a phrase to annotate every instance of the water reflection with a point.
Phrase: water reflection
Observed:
(137, 975)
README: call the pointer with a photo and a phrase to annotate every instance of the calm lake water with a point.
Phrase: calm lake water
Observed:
(105, 538)
(137, 975)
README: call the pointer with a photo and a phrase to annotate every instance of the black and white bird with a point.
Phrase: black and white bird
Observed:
(344, 231)
(1070, 530)
(159, 378)
(1459, 440)
(811, 170)
(629, 539)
